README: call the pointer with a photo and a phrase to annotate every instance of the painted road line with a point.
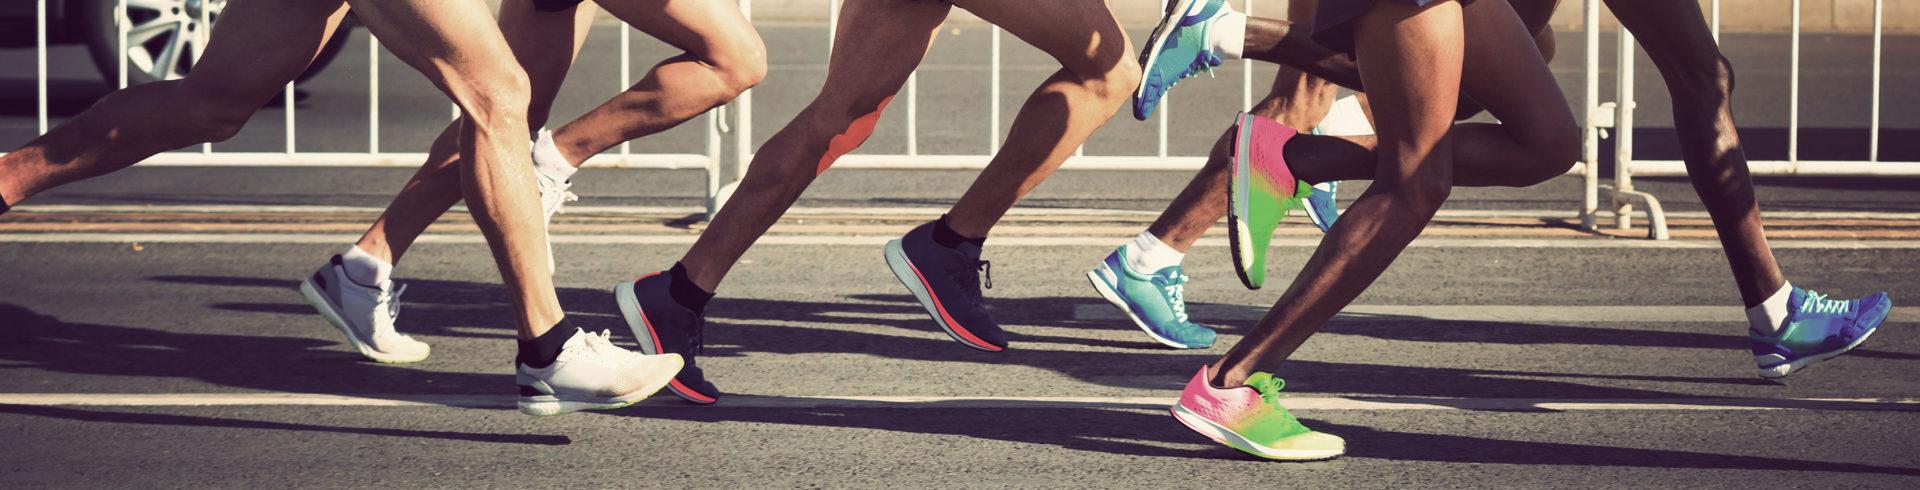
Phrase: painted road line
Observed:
(881, 211)
(1477, 313)
(149, 400)
(688, 239)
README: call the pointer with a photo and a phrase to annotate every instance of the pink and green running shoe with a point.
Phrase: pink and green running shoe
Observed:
(1264, 190)
(1250, 418)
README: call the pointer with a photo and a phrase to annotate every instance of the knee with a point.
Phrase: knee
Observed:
(1553, 156)
(497, 100)
(1119, 82)
(215, 118)
(1706, 80)
(741, 68)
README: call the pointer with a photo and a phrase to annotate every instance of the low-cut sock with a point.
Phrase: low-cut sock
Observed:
(1768, 317)
(548, 160)
(542, 351)
(946, 237)
(685, 292)
(1147, 254)
(365, 269)
(1228, 35)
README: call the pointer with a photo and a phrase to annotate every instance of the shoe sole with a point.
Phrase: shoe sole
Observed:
(649, 340)
(1796, 365)
(1234, 440)
(548, 405)
(1238, 236)
(909, 276)
(327, 310)
(1154, 42)
(1113, 297)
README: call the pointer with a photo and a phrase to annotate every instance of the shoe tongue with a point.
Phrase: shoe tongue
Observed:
(1257, 378)
(578, 339)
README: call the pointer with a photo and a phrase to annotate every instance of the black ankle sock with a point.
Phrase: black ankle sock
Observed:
(946, 237)
(685, 292)
(3, 205)
(543, 350)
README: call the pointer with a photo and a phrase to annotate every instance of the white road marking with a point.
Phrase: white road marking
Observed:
(1476, 313)
(824, 240)
(1904, 404)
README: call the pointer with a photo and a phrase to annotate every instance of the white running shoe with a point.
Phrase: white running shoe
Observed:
(593, 374)
(365, 314)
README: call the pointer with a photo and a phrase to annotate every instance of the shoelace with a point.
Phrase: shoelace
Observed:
(601, 343)
(1176, 291)
(970, 276)
(1818, 303)
(393, 301)
(558, 199)
(1270, 391)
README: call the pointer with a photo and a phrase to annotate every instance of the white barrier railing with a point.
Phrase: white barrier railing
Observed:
(1621, 191)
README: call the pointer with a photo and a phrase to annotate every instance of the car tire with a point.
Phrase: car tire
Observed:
(101, 35)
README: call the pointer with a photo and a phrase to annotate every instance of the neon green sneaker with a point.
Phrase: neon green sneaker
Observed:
(1250, 418)
(1263, 191)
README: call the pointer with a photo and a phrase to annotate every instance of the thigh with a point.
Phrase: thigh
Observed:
(877, 46)
(439, 38)
(260, 45)
(1082, 35)
(1411, 60)
(710, 29)
(1673, 33)
(1505, 73)
(546, 44)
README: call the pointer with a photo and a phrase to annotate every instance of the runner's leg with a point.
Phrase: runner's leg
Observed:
(1675, 35)
(1097, 75)
(258, 47)
(878, 45)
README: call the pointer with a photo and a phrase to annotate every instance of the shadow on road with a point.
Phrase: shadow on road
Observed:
(102, 416)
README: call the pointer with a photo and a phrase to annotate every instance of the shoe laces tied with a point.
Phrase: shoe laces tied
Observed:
(602, 343)
(1270, 391)
(1818, 303)
(392, 300)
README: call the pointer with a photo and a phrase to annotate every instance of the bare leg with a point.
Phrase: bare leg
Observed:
(1413, 60)
(258, 47)
(477, 69)
(1097, 75)
(878, 45)
(724, 57)
(1701, 80)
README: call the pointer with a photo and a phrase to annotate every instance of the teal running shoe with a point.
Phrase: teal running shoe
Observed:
(1176, 50)
(1156, 303)
(1817, 329)
(1321, 207)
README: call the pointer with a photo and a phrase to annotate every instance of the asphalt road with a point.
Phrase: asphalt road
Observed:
(1473, 362)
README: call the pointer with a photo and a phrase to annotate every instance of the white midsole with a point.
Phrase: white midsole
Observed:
(1100, 285)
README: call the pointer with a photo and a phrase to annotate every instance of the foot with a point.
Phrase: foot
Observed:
(553, 198)
(1250, 418)
(1156, 302)
(364, 313)
(1263, 191)
(947, 283)
(663, 326)
(1177, 49)
(592, 374)
(1321, 207)
(1817, 329)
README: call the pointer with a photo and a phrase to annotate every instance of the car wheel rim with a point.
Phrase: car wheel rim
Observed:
(166, 37)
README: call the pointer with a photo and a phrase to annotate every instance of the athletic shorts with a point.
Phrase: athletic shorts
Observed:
(1333, 23)
(554, 5)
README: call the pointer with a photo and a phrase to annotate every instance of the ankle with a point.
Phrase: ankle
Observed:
(685, 292)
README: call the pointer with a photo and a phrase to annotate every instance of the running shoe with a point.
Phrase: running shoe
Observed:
(663, 326)
(364, 313)
(1263, 191)
(1156, 303)
(592, 374)
(1321, 207)
(1250, 418)
(1176, 50)
(947, 283)
(1817, 329)
(554, 197)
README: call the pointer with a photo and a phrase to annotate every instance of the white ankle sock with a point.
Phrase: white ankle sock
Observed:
(1770, 315)
(364, 268)
(1228, 36)
(547, 158)
(1148, 254)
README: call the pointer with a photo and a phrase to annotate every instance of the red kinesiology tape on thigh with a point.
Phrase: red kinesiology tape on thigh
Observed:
(856, 133)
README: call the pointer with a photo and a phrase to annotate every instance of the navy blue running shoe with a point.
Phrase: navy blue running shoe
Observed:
(663, 326)
(947, 283)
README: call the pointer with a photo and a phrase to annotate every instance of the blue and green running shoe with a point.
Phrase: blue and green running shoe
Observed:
(1156, 303)
(1817, 329)
(1176, 50)
(1320, 206)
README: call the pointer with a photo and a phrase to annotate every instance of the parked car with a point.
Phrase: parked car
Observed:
(162, 40)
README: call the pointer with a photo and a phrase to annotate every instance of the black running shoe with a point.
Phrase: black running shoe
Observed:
(663, 326)
(947, 283)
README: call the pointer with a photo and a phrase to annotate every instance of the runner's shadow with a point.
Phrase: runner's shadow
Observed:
(1099, 430)
(113, 417)
(1364, 442)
